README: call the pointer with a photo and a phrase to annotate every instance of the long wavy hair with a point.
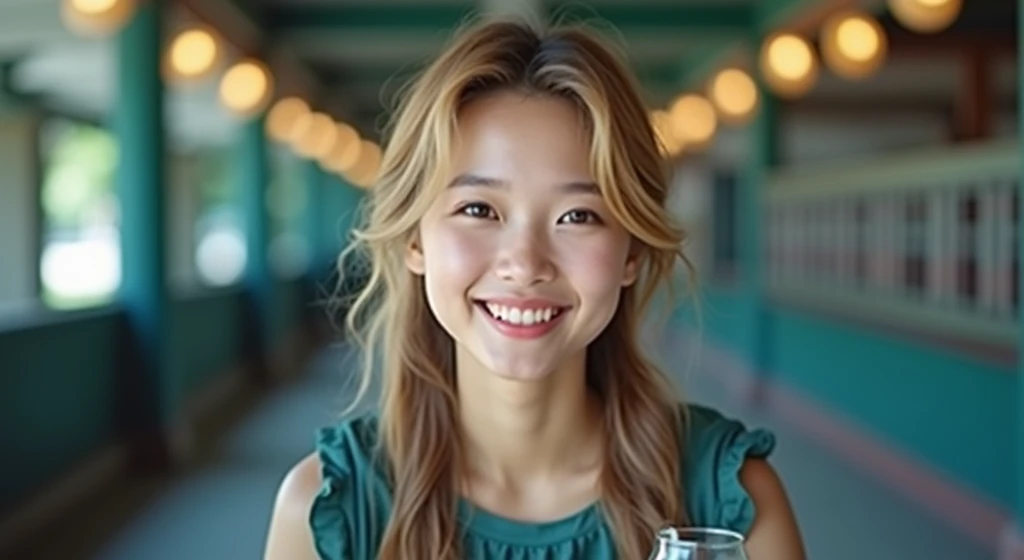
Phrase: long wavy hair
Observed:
(640, 484)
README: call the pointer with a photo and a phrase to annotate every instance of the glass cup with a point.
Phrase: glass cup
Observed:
(698, 543)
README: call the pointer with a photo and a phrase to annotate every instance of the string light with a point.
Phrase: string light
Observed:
(788, 64)
(853, 44)
(193, 55)
(734, 94)
(96, 18)
(284, 117)
(693, 120)
(926, 16)
(246, 88)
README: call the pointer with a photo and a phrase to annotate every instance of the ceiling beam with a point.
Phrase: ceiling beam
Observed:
(703, 19)
(659, 78)
(698, 18)
(337, 17)
(906, 43)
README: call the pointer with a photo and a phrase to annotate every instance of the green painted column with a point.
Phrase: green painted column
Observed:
(1014, 547)
(151, 397)
(254, 181)
(751, 236)
(313, 218)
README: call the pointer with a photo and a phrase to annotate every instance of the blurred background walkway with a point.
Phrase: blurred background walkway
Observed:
(178, 177)
(221, 507)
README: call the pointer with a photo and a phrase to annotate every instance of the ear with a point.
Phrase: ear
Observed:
(629, 274)
(414, 257)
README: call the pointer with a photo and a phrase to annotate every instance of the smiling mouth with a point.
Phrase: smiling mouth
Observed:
(524, 317)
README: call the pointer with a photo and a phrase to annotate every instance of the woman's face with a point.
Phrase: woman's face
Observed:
(523, 261)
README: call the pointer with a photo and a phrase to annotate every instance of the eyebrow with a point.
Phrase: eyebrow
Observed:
(472, 180)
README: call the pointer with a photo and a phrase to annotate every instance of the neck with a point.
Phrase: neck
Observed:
(518, 430)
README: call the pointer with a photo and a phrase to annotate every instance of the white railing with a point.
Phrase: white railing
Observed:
(920, 240)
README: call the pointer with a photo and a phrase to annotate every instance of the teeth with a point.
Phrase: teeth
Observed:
(517, 316)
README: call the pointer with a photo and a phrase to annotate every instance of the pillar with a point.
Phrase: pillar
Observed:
(21, 224)
(151, 397)
(755, 343)
(1013, 543)
(973, 119)
(313, 218)
(254, 181)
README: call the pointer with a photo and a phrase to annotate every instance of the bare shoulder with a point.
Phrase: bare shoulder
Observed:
(775, 534)
(289, 536)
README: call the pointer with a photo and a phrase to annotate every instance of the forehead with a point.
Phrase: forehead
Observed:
(520, 137)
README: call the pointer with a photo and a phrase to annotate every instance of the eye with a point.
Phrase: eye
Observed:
(478, 210)
(579, 216)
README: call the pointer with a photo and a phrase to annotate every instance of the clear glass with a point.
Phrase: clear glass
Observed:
(698, 543)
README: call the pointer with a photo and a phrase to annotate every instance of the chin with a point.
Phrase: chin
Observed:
(519, 371)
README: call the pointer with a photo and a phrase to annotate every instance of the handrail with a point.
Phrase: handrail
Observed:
(922, 169)
(926, 241)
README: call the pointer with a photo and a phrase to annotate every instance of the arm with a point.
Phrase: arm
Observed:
(774, 535)
(289, 537)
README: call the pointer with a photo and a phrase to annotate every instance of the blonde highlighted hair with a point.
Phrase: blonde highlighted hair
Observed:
(640, 486)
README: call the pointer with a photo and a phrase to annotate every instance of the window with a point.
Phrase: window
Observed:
(80, 263)
(220, 251)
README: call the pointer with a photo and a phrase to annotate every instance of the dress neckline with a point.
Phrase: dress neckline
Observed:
(499, 528)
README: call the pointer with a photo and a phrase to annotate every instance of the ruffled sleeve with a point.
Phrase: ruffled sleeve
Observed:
(716, 448)
(352, 494)
(328, 516)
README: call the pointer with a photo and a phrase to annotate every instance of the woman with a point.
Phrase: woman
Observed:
(516, 233)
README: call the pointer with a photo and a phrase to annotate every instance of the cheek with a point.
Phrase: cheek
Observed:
(596, 268)
(453, 259)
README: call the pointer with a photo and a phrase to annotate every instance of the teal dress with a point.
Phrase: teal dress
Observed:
(350, 513)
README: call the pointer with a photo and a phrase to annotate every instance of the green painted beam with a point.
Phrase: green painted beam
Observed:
(411, 17)
(708, 18)
(701, 18)
(700, 65)
(655, 73)
(660, 77)
(778, 13)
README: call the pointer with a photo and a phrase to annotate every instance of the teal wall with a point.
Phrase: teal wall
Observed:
(205, 337)
(59, 380)
(946, 409)
(57, 393)
(290, 309)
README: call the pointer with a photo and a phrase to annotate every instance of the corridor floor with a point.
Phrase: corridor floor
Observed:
(219, 509)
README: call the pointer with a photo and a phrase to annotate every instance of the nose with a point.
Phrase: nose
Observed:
(524, 258)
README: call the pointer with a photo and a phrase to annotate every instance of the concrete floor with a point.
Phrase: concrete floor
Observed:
(219, 509)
